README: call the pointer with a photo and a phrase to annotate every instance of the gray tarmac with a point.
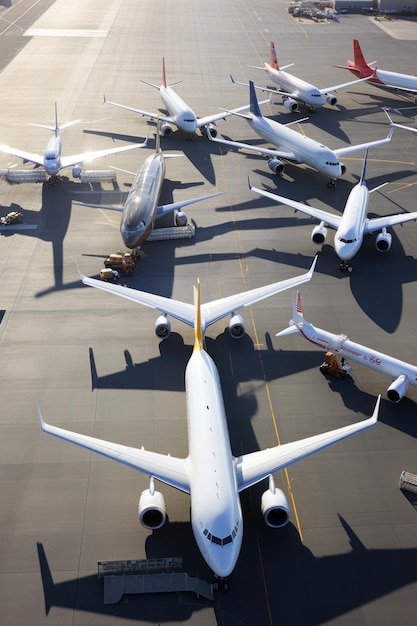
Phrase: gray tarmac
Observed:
(93, 363)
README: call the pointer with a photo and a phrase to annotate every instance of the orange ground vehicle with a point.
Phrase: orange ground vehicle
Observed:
(332, 366)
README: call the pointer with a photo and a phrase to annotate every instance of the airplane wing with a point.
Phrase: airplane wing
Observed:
(376, 223)
(324, 92)
(254, 467)
(177, 206)
(208, 119)
(98, 154)
(324, 216)
(288, 156)
(170, 470)
(348, 149)
(153, 116)
(32, 157)
(211, 311)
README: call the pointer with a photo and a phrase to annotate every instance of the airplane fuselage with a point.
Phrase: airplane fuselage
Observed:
(216, 515)
(300, 89)
(361, 354)
(184, 117)
(305, 149)
(139, 211)
(52, 156)
(349, 235)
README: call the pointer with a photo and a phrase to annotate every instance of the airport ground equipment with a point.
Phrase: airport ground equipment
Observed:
(109, 275)
(123, 261)
(331, 365)
(14, 217)
(408, 482)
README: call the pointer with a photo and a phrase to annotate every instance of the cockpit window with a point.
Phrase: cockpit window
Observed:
(221, 541)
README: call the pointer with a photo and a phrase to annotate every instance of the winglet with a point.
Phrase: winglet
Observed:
(198, 332)
(40, 418)
(374, 418)
(313, 266)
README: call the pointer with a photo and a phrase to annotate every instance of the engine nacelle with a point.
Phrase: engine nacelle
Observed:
(276, 166)
(236, 327)
(290, 104)
(274, 506)
(76, 171)
(151, 509)
(343, 168)
(166, 130)
(162, 327)
(383, 241)
(181, 219)
(398, 388)
(211, 127)
(319, 233)
(332, 100)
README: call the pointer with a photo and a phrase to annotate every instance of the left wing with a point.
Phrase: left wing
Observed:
(32, 157)
(97, 154)
(177, 206)
(170, 470)
(324, 216)
(376, 223)
(253, 467)
(348, 149)
(324, 92)
(211, 311)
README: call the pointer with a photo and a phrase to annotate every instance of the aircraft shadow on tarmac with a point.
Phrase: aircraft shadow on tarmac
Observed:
(273, 563)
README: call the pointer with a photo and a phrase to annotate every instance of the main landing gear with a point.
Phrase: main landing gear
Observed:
(222, 583)
(344, 266)
(332, 183)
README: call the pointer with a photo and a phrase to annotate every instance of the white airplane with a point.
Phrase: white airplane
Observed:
(295, 90)
(352, 225)
(401, 373)
(211, 474)
(179, 113)
(293, 146)
(53, 161)
(382, 78)
(141, 209)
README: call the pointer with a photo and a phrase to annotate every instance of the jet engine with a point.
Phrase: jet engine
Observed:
(398, 388)
(276, 166)
(166, 130)
(290, 104)
(181, 219)
(151, 508)
(76, 171)
(236, 326)
(211, 127)
(319, 233)
(383, 241)
(162, 327)
(343, 168)
(332, 100)
(274, 506)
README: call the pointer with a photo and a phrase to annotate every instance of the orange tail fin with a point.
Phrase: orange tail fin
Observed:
(359, 58)
(273, 61)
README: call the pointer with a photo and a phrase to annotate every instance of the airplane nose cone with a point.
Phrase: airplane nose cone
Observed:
(223, 563)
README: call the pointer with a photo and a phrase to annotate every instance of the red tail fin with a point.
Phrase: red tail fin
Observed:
(164, 78)
(359, 58)
(273, 61)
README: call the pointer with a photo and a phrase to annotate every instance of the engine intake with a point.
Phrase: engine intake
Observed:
(319, 233)
(398, 388)
(236, 327)
(151, 508)
(291, 104)
(276, 166)
(212, 128)
(166, 130)
(162, 327)
(383, 241)
(332, 100)
(274, 506)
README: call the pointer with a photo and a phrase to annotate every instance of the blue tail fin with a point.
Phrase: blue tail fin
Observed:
(254, 106)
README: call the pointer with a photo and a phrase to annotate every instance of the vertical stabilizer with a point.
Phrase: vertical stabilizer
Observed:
(198, 331)
(273, 61)
(158, 136)
(254, 106)
(358, 55)
(362, 179)
(56, 120)
(164, 77)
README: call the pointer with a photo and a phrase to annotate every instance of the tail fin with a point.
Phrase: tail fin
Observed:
(254, 106)
(164, 77)
(297, 318)
(198, 331)
(358, 55)
(273, 61)
(158, 136)
(362, 179)
(56, 120)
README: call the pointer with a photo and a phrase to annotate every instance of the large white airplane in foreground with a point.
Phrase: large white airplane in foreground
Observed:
(382, 78)
(352, 225)
(293, 146)
(179, 113)
(295, 90)
(52, 160)
(141, 209)
(401, 373)
(211, 474)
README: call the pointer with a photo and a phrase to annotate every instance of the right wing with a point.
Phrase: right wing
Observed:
(254, 467)
(211, 311)
(324, 216)
(152, 116)
(38, 159)
(170, 470)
